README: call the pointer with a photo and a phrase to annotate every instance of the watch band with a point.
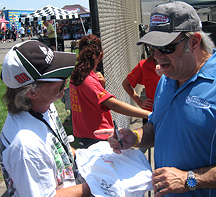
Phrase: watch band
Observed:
(190, 173)
(191, 181)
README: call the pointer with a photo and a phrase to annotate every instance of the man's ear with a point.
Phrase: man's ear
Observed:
(195, 40)
(31, 94)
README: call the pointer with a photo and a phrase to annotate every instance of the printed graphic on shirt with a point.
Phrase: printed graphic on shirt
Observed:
(63, 164)
(74, 101)
(63, 161)
(107, 189)
(7, 179)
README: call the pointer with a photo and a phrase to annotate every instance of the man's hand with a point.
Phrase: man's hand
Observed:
(169, 180)
(126, 135)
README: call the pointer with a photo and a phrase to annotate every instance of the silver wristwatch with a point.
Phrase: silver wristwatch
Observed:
(191, 181)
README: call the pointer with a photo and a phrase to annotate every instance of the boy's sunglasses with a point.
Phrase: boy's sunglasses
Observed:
(170, 48)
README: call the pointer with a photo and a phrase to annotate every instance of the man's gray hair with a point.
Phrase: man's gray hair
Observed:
(16, 99)
(206, 42)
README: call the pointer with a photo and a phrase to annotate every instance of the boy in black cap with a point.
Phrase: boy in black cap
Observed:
(183, 123)
(36, 158)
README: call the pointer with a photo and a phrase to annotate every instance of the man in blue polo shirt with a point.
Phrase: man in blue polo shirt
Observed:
(182, 127)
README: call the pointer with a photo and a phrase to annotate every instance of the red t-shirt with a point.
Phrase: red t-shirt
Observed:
(88, 114)
(144, 74)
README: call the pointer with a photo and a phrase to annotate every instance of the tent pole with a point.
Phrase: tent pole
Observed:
(55, 35)
(83, 25)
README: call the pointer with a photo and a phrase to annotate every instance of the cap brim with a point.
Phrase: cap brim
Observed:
(62, 65)
(158, 38)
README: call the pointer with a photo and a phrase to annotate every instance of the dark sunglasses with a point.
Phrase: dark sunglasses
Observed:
(170, 48)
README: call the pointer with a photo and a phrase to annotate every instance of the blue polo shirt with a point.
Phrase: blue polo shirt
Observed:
(185, 123)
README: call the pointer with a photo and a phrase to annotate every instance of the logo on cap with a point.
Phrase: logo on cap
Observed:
(48, 53)
(159, 19)
(22, 78)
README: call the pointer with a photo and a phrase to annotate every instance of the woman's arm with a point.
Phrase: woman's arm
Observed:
(131, 92)
(125, 108)
(144, 104)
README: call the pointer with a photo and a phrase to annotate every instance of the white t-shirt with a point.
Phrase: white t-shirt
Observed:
(22, 30)
(109, 174)
(35, 159)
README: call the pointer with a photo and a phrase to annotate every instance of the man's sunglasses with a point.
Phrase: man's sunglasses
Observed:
(170, 48)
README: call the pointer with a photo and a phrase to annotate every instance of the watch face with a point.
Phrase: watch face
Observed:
(191, 182)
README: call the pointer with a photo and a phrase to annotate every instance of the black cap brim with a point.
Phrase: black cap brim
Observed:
(62, 65)
(158, 38)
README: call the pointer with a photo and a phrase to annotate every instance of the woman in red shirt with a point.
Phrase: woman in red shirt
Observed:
(145, 73)
(90, 102)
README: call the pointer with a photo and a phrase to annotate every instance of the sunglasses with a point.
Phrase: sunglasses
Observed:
(170, 48)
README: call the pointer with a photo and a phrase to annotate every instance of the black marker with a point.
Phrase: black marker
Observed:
(117, 133)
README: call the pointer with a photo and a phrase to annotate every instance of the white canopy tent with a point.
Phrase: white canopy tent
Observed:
(49, 13)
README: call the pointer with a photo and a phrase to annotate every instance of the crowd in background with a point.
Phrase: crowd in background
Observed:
(68, 29)
(13, 33)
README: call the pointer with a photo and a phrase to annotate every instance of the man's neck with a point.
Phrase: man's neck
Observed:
(200, 62)
(40, 109)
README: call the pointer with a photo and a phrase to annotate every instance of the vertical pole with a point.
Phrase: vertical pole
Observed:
(56, 42)
(149, 158)
(95, 25)
(94, 17)
(83, 25)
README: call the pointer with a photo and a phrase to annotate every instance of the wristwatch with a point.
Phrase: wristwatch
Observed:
(191, 181)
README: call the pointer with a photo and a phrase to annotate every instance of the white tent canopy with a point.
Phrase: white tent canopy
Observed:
(48, 13)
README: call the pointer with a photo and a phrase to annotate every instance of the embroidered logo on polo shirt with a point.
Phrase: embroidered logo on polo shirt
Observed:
(100, 95)
(197, 102)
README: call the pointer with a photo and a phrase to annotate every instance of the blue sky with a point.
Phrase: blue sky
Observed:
(37, 4)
